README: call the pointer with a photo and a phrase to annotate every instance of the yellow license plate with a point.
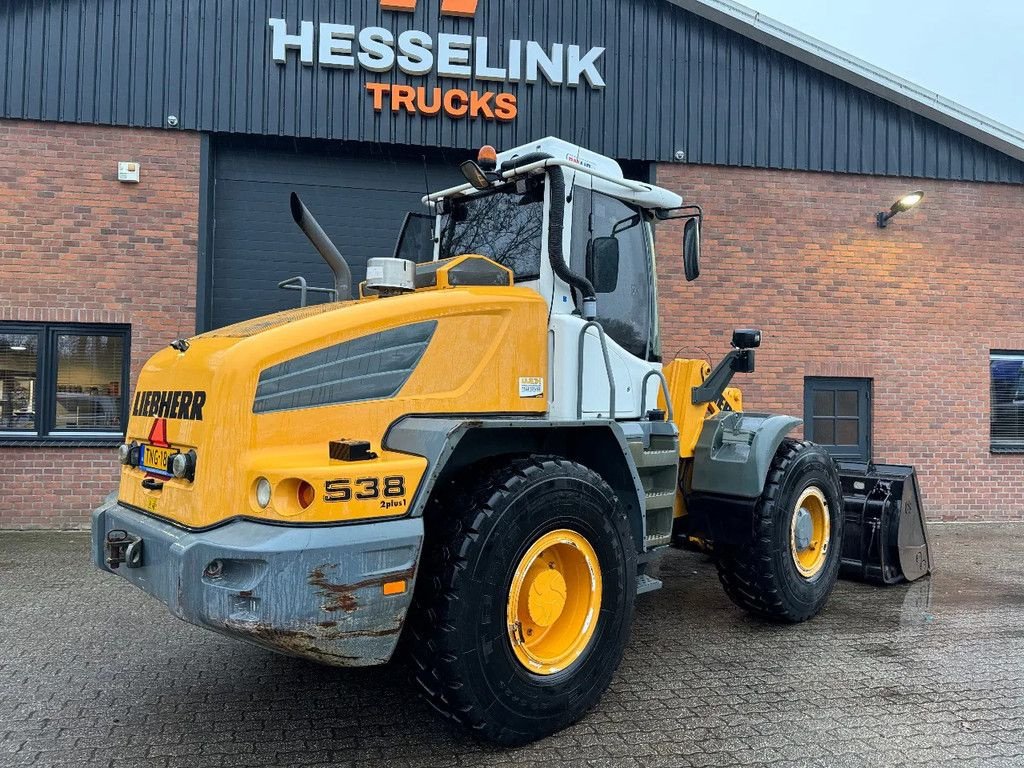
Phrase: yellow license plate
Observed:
(156, 459)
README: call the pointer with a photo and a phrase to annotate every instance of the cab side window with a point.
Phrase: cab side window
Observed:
(610, 247)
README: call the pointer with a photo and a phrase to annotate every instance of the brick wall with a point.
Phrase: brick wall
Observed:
(78, 246)
(916, 307)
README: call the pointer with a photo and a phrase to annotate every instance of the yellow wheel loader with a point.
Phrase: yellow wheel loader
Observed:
(472, 463)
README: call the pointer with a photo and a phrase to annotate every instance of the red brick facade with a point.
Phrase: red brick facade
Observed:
(79, 246)
(916, 307)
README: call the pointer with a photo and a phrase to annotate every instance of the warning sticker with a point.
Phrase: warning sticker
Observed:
(531, 386)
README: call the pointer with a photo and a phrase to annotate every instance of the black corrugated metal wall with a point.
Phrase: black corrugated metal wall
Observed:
(360, 201)
(675, 82)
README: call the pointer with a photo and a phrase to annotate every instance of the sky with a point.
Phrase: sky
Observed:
(970, 52)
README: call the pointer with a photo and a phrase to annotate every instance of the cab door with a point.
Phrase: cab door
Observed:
(612, 246)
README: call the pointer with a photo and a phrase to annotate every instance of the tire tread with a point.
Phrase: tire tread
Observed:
(454, 520)
(745, 568)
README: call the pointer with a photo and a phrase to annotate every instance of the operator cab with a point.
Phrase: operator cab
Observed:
(569, 225)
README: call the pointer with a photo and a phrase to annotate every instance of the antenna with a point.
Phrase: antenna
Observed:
(426, 181)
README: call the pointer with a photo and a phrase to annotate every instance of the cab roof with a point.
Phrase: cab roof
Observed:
(606, 174)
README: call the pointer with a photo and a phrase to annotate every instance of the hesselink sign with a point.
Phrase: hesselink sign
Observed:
(447, 55)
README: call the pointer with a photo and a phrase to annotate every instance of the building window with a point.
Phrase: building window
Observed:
(1006, 371)
(60, 382)
(19, 372)
(837, 415)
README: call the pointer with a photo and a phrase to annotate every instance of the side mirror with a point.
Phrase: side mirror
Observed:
(475, 175)
(603, 264)
(691, 248)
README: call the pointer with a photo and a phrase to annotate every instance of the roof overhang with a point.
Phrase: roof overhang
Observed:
(861, 74)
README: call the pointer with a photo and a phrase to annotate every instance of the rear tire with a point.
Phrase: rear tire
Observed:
(460, 642)
(786, 571)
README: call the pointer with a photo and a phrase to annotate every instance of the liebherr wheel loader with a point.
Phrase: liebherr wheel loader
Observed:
(471, 464)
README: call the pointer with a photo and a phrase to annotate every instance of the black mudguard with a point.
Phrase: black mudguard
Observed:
(730, 464)
(885, 539)
(734, 451)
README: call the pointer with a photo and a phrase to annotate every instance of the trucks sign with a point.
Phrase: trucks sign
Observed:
(418, 54)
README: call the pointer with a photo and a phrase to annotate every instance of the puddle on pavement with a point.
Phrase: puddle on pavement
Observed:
(917, 603)
(962, 591)
(930, 599)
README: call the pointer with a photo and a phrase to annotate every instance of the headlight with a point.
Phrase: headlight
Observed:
(128, 453)
(184, 465)
(263, 492)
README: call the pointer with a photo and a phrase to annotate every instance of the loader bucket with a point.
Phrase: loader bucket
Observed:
(885, 539)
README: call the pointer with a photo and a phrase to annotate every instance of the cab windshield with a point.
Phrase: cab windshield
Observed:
(503, 226)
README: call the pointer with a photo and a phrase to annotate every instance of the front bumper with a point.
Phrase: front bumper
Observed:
(304, 591)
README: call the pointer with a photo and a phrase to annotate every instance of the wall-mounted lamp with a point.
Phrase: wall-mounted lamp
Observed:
(905, 203)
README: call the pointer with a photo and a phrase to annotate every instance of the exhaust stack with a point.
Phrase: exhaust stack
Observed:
(328, 250)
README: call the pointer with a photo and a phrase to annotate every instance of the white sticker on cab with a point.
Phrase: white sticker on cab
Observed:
(531, 386)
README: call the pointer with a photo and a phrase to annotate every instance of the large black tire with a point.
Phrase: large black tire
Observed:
(760, 573)
(458, 640)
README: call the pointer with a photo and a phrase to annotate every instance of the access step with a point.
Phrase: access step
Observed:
(647, 583)
(656, 458)
(660, 499)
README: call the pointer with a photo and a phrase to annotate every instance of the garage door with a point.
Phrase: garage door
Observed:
(360, 201)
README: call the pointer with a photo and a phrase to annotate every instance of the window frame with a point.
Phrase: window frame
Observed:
(47, 359)
(652, 346)
(1010, 446)
(864, 386)
(508, 188)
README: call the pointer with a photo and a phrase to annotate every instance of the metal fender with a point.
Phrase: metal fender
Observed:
(453, 444)
(734, 451)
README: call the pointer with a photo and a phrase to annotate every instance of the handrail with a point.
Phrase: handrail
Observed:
(607, 368)
(632, 186)
(664, 387)
(298, 283)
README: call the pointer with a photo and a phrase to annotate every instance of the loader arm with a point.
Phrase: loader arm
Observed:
(726, 456)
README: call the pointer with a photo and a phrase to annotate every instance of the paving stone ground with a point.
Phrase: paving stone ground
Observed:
(95, 673)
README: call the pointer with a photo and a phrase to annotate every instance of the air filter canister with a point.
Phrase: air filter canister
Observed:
(390, 276)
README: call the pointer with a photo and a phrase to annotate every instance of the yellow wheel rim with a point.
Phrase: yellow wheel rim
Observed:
(554, 601)
(809, 532)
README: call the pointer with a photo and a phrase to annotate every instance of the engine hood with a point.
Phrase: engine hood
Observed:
(266, 399)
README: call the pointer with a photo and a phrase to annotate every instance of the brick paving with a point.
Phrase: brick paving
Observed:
(94, 673)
